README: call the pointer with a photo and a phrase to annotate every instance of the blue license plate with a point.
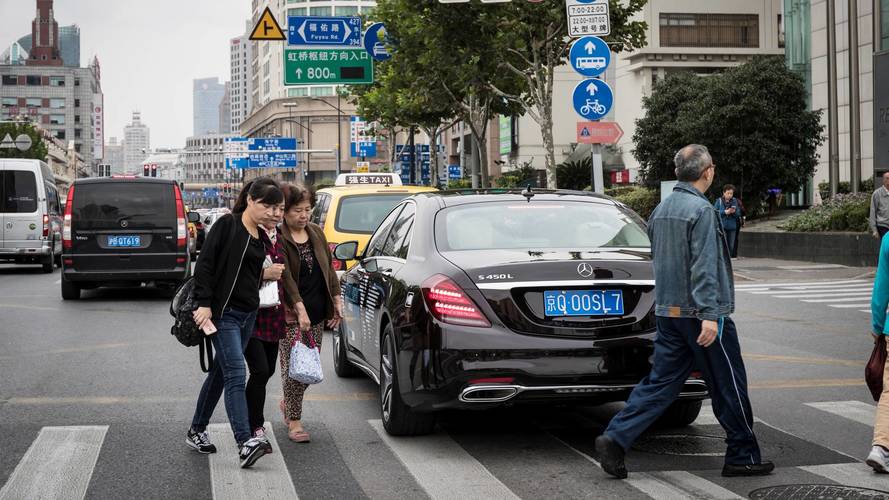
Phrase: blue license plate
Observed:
(125, 241)
(583, 302)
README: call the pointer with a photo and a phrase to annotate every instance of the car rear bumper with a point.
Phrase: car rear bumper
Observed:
(141, 275)
(42, 250)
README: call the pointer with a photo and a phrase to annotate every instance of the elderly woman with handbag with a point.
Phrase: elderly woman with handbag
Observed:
(312, 296)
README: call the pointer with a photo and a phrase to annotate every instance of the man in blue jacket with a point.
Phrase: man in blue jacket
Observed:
(694, 296)
(730, 214)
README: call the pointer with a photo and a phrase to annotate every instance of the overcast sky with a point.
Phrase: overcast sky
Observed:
(149, 52)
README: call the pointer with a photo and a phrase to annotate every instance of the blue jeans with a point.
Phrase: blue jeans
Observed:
(676, 352)
(731, 238)
(229, 373)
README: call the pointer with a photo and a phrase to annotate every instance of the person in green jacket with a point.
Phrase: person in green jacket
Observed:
(879, 455)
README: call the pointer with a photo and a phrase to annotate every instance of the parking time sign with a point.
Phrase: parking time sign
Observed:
(587, 17)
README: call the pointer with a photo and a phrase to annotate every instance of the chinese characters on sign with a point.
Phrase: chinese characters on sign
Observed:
(588, 17)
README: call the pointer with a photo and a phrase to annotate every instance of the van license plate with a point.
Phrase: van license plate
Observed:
(583, 302)
(125, 241)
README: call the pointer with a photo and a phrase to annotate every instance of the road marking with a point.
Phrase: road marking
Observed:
(799, 283)
(849, 306)
(88, 348)
(854, 474)
(677, 484)
(843, 299)
(58, 464)
(808, 383)
(802, 360)
(858, 295)
(814, 288)
(443, 468)
(58, 282)
(820, 292)
(813, 266)
(267, 479)
(133, 400)
(857, 411)
(33, 308)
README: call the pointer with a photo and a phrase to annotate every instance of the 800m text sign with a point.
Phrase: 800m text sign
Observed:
(324, 66)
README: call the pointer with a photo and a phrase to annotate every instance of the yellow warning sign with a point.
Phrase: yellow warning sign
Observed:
(267, 28)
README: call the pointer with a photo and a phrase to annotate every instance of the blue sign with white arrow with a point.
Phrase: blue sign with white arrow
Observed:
(590, 56)
(311, 30)
(376, 42)
(593, 99)
(272, 144)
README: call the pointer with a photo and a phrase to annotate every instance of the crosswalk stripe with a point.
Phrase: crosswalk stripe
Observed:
(850, 306)
(857, 411)
(804, 293)
(816, 287)
(443, 468)
(267, 479)
(853, 474)
(843, 299)
(58, 464)
(794, 295)
(798, 283)
(678, 485)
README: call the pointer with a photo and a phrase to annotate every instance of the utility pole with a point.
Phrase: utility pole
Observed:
(413, 170)
(854, 101)
(833, 132)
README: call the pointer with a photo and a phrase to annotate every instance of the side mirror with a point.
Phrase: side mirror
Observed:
(346, 251)
(194, 217)
(207, 221)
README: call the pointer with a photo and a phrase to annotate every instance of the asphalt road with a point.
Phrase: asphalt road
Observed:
(96, 396)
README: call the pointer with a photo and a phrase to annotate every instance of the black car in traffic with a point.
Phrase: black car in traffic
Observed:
(478, 299)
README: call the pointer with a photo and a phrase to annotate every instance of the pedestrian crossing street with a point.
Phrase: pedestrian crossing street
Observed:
(65, 462)
(853, 294)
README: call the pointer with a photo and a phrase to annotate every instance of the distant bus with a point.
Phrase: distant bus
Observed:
(591, 62)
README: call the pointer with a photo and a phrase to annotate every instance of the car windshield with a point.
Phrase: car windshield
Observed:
(108, 205)
(363, 213)
(539, 224)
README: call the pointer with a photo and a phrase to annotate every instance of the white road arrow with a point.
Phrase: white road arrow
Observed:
(592, 89)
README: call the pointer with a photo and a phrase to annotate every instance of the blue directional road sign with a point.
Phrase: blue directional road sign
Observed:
(376, 42)
(593, 99)
(272, 160)
(590, 56)
(455, 172)
(272, 144)
(273, 152)
(309, 30)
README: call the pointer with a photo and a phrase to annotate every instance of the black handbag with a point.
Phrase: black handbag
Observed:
(873, 372)
(185, 329)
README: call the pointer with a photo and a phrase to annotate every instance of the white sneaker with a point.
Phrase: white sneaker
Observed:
(878, 459)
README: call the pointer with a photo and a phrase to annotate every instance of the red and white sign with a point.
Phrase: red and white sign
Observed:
(98, 127)
(620, 177)
(598, 132)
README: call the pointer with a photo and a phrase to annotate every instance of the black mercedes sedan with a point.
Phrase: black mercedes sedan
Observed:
(474, 299)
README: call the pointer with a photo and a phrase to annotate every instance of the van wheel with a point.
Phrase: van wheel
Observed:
(49, 262)
(398, 418)
(70, 291)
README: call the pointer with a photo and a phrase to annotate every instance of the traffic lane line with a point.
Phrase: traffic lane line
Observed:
(132, 400)
(267, 479)
(443, 468)
(59, 464)
(808, 383)
(802, 360)
(854, 474)
(857, 411)
(71, 350)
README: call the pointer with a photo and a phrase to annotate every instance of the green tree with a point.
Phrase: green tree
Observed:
(38, 150)
(534, 39)
(575, 174)
(753, 118)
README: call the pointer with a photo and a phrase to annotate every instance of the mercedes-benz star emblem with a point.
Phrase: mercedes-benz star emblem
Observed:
(585, 270)
(124, 223)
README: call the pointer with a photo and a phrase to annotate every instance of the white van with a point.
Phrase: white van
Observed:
(30, 214)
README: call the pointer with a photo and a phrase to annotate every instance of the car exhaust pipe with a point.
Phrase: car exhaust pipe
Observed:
(488, 393)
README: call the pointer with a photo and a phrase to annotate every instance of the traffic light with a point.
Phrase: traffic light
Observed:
(145, 170)
(154, 170)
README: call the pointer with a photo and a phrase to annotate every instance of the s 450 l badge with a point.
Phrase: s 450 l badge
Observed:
(492, 277)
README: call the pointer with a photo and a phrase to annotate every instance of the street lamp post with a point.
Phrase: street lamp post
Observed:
(339, 130)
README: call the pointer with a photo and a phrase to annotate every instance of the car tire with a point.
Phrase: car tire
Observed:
(680, 414)
(70, 291)
(341, 364)
(398, 418)
(49, 262)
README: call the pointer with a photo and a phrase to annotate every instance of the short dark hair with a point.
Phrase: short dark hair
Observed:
(263, 189)
(294, 194)
(691, 162)
(728, 187)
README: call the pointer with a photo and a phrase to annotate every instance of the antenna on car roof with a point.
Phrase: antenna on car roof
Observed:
(527, 193)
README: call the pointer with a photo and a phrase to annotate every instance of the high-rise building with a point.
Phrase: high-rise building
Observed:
(45, 37)
(137, 143)
(69, 46)
(114, 156)
(225, 111)
(241, 82)
(208, 93)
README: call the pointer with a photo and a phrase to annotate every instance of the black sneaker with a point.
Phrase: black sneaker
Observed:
(611, 456)
(259, 433)
(200, 441)
(251, 450)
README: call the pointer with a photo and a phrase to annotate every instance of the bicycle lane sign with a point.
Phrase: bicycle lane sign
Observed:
(593, 99)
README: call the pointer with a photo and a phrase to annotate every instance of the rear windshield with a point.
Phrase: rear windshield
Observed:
(109, 205)
(539, 224)
(363, 213)
(18, 189)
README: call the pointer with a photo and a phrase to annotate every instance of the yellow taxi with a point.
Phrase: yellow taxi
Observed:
(355, 206)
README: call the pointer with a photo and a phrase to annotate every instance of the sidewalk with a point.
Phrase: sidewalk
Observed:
(752, 270)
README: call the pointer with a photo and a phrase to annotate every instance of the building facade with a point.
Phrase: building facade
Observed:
(207, 182)
(69, 46)
(169, 164)
(137, 143)
(206, 97)
(225, 111)
(241, 82)
(114, 156)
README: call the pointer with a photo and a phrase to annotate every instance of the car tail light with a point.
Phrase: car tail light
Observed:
(45, 225)
(181, 225)
(66, 228)
(338, 265)
(448, 303)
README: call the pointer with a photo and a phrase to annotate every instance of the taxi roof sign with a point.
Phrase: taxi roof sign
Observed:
(366, 179)
(267, 28)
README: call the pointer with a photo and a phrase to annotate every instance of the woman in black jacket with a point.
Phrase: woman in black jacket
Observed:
(227, 278)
